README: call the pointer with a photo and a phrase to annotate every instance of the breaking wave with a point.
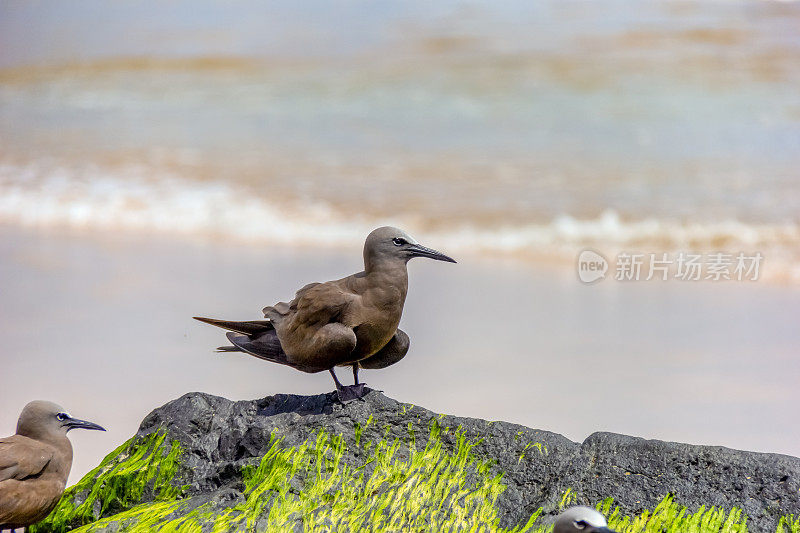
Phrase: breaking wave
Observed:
(130, 200)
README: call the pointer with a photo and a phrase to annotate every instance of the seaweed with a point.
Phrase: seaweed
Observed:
(318, 486)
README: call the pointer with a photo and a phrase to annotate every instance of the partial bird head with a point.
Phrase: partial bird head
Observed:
(393, 244)
(41, 419)
(581, 519)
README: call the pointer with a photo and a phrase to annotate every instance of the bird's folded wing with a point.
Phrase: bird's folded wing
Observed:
(392, 352)
(22, 458)
(279, 310)
(314, 305)
(321, 303)
(275, 313)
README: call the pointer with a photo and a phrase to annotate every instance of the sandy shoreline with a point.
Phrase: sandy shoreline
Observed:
(108, 317)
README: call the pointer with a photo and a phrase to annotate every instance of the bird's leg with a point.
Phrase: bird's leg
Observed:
(335, 379)
(358, 386)
(347, 392)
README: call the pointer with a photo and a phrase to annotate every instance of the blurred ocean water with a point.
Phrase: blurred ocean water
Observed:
(534, 128)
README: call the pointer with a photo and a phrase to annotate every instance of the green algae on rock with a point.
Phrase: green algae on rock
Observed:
(430, 489)
(206, 464)
(671, 517)
(140, 465)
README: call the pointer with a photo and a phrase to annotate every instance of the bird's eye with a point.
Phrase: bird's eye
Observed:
(62, 416)
(579, 524)
(399, 242)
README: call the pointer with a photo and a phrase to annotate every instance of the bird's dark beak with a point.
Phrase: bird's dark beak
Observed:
(74, 423)
(417, 250)
(604, 530)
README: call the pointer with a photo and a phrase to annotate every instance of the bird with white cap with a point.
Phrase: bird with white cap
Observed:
(581, 519)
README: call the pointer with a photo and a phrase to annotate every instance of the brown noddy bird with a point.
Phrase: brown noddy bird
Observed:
(35, 463)
(347, 322)
(581, 519)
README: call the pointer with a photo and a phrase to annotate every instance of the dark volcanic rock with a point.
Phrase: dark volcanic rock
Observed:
(218, 436)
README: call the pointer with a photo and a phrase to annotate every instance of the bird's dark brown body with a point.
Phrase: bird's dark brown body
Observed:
(33, 476)
(35, 463)
(341, 322)
(347, 322)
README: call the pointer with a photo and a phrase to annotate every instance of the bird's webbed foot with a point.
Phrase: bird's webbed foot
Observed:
(348, 393)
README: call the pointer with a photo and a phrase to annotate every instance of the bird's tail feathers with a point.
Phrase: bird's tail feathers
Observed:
(265, 346)
(221, 349)
(248, 327)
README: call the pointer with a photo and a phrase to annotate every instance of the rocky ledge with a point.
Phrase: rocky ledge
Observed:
(307, 463)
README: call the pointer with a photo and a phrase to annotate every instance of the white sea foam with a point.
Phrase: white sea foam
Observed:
(132, 200)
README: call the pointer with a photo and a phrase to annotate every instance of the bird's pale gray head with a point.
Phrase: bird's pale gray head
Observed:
(41, 419)
(393, 244)
(581, 520)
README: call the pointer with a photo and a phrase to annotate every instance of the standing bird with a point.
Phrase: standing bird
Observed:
(581, 519)
(35, 463)
(348, 322)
